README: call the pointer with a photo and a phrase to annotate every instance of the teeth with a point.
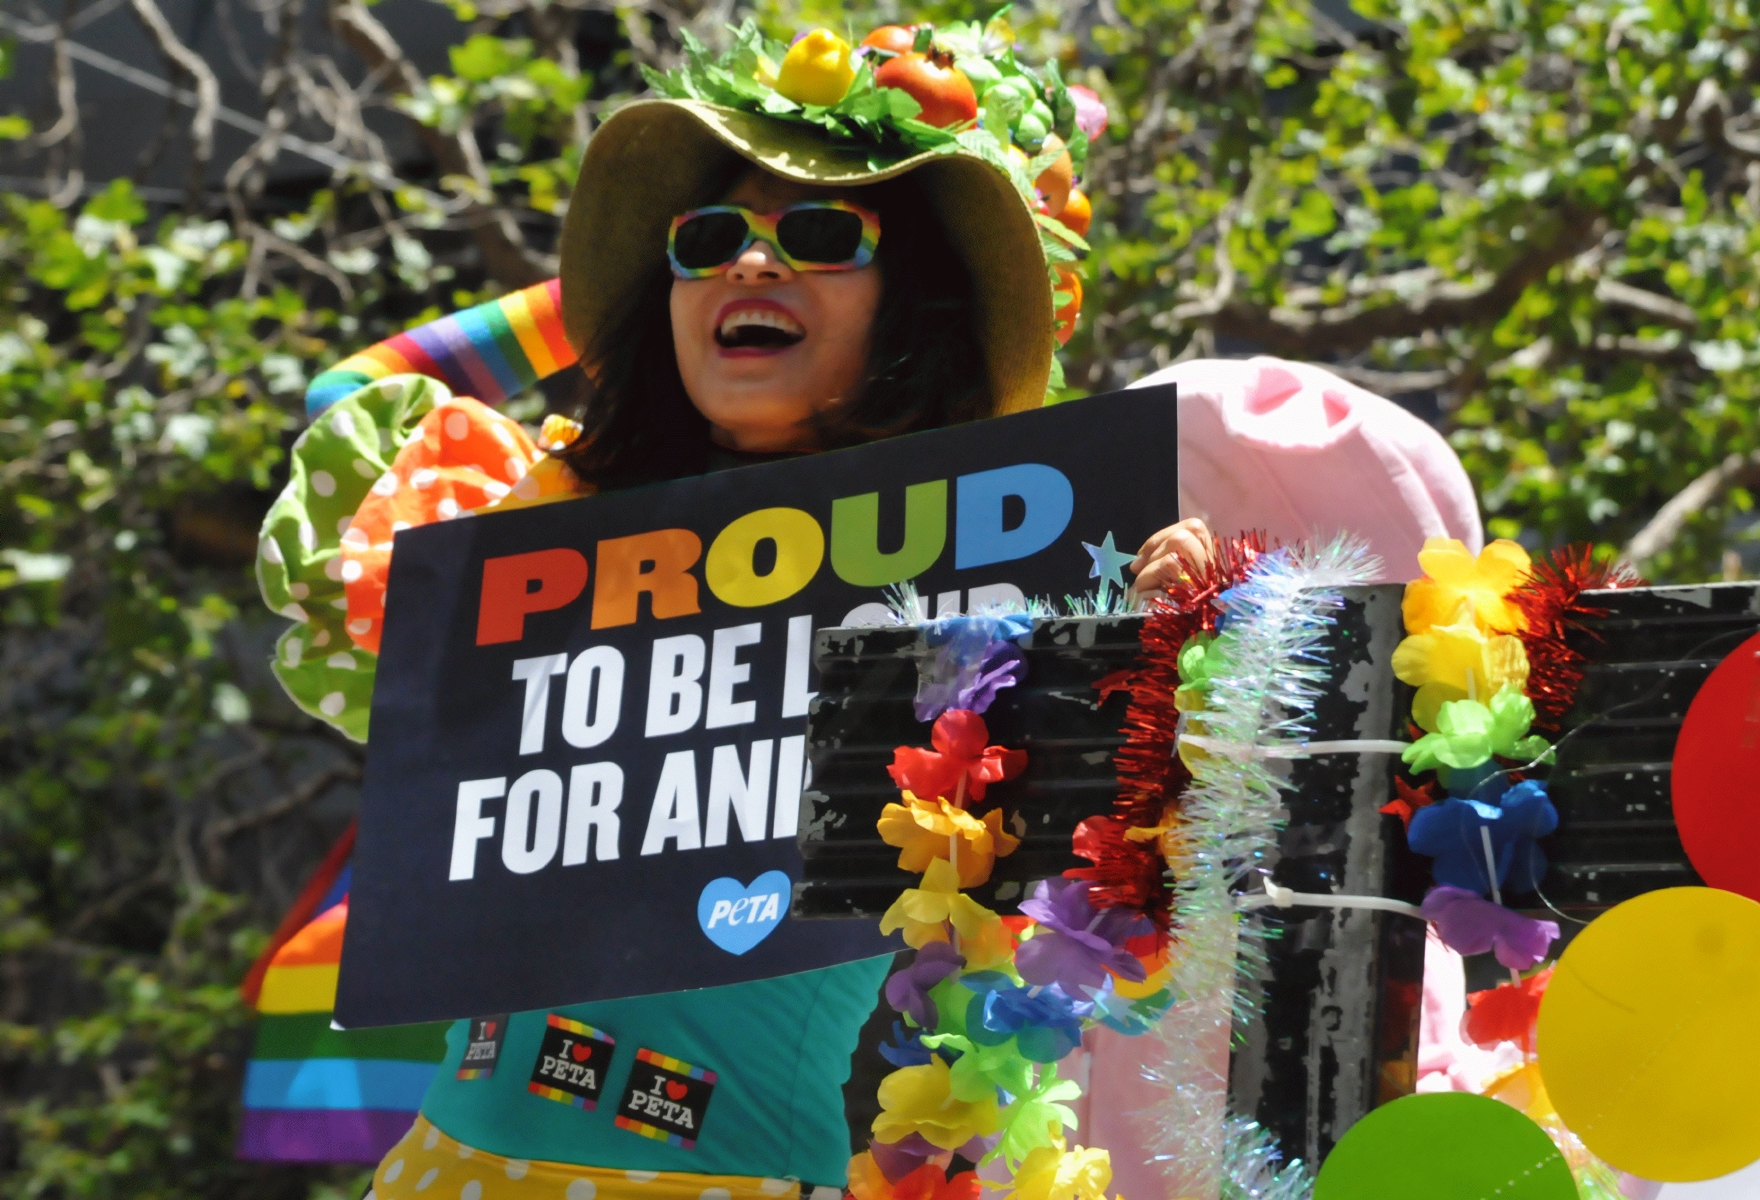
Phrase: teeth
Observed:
(765, 317)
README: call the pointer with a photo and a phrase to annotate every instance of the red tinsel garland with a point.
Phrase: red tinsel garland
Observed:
(1552, 600)
(1129, 873)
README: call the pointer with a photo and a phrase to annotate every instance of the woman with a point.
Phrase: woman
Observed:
(832, 292)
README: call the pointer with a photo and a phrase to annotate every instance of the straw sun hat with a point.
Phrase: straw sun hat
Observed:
(654, 159)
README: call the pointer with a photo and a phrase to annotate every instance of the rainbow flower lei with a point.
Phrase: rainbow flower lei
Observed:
(990, 1004)
(1486, 648)
(1485, 639)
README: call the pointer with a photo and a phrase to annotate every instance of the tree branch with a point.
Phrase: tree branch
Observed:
(1394, 383)
(296, 798)
(1349, 328)
(505, 253)
(1664, 310)
(1737, 470)
(206, 85)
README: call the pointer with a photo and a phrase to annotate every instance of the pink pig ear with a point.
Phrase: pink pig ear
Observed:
(1289, 407)
(1271, 387)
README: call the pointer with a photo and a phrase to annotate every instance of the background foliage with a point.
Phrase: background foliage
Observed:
(1532, 221)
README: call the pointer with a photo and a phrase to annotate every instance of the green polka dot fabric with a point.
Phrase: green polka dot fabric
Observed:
(336, 461)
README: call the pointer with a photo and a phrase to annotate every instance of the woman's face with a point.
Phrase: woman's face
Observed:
(758, 387)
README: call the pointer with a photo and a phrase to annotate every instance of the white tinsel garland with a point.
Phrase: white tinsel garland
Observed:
(1271, 672)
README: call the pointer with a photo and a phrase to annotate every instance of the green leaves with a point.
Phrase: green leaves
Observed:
(144, 400)
(482, 58)
(1514, 164)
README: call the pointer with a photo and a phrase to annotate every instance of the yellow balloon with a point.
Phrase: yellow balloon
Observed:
(1649, 1035)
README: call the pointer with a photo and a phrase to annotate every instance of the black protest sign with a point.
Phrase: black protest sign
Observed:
(587, 749)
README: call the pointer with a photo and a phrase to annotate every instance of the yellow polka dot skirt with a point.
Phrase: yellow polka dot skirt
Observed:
(428, 1165)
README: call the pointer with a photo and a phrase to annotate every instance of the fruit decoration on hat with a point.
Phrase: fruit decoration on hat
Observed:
(909, 89)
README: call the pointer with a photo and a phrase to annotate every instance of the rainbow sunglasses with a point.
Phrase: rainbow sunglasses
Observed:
(818, 235)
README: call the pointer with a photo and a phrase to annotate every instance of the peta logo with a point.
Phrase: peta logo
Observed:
(736, 917)
(666, 1099)
(571, 1063)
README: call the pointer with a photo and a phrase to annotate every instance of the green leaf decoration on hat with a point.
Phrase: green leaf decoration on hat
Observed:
(1468, 734)
(335, 463)
(1018, 106)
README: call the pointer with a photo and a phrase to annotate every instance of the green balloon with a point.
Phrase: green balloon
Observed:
(1445, 1146)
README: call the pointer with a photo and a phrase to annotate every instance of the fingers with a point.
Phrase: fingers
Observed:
(1169, 556)
(1190, 539)
(1160, 575)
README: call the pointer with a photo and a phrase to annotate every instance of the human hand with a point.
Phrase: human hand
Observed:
(1168, 555)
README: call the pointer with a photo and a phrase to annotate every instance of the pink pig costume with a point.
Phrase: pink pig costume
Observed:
(1298, 452)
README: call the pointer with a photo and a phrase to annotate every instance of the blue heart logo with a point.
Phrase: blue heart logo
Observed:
(736, 917)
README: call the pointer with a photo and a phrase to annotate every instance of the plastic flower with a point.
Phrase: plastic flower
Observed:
(925, 830)
(1054, 1173)
(900, 1158)
(1450, 833)
(920, 1100)
(1469, 733)
(1458, 662)
(1507, 1012)
(906, 1048)
(1076, 945)
(976, 659)
(1038, 1117)
(1454, 579)
(992, 946)
(929, 1181)
(1200, 660)
(923, 913)
(908, 989)
(961, 766)
(981, 1068)
(1408, 802)
(1043, 1021)
(816, 69)
(1469, 924)
(1090, 110)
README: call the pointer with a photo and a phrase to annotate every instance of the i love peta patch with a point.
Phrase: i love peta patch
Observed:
(736, 917)
(666, 1099)
(483, 1050)
(571, 1063)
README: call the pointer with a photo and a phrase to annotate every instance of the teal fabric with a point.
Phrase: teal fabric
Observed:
(780, 1046)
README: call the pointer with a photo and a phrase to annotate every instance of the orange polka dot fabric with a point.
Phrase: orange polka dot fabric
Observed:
(462, 457)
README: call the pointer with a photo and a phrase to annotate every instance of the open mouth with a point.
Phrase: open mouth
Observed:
(758, 329)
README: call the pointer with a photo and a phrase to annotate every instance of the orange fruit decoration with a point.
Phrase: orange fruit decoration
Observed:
(1078, 213)
(1068, 281)
(945, 94)
(892, 39)
(1055, 182)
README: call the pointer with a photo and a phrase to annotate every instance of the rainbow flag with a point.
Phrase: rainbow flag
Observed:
(312, 1092)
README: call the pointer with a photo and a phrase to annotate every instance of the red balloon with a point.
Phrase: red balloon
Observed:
(1716, 777)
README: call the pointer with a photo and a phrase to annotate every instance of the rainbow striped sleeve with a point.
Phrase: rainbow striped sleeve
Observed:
(492, 351)
(315, 1093)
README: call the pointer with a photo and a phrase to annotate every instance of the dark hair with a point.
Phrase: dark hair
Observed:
(925, 365)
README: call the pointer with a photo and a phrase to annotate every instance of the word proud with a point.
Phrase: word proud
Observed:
(770, 555)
